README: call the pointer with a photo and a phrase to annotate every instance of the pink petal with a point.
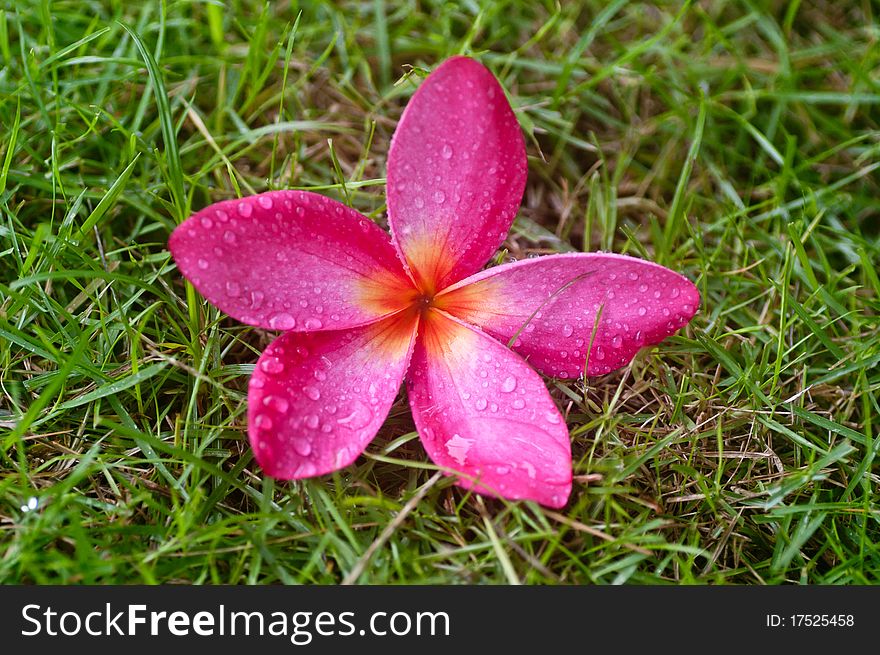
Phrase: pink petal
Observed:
(291, 260)
(482, 411)
(317, 399)
(548, 306)
(456, 173)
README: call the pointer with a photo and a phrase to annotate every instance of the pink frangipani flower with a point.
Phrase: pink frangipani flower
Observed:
(361, 312)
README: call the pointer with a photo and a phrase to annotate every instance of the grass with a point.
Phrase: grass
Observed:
(737, 142)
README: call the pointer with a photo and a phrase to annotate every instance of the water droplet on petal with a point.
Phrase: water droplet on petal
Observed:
(265, 201)
(263, 422)
(203, 264)
(552, 417)
(312, 421)
(282, 321)
(419, 203)
(312, 392)
(233, 289)
(480, 404)
(256, 299)
(313, 324)
(245, 209)
(439, 197)
(229, 236)
(207, 222)
(272, 365)
(277, 403)
(509, 384)
(222, 216)
(567, 330)
(302, 447)
(446, 152)
(458, 448)
(616, 341)
(356, 416)
(642, 311)
(519, 403)
(320, 375)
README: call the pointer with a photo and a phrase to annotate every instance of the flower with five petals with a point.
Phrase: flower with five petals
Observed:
(361, 312)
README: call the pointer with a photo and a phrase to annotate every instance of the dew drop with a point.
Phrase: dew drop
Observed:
(207, 222)
(203, 264)
(272, 365)
(245, 209)
(675, 292)
(302, 447)
(263, 422)
(222, 216)
(519, 403)
(356, 416)
(567, 330)
(265, 201)
(312, 392)
(277, 403)
(233, 289)
(480, 404)
(419, 203)
(552, 417)
(632, 275)
(313, 324)
(312, 421)
(439, 197)
(642, 311)
(320, 375)
(446, 152)
(229, 236)
(282, 321)
(458, 448)
(256, 299)
(509, 384)
(616, 341)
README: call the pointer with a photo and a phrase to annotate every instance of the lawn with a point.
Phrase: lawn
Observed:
(735, 142)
